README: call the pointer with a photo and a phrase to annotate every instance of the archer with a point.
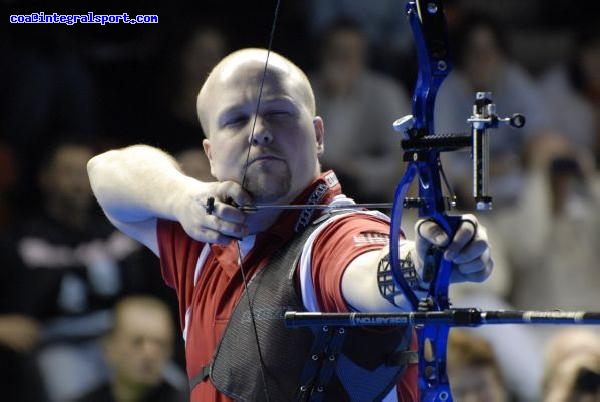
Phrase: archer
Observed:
(264, 142)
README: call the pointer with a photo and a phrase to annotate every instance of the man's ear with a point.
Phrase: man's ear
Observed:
(319, 134)
(207, 151)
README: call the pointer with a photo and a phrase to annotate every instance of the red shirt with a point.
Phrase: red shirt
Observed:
(206, 306)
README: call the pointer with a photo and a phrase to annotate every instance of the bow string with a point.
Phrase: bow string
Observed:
(245, 171)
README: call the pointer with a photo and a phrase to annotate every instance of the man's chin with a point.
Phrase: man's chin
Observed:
(269, 187)
(268, 193)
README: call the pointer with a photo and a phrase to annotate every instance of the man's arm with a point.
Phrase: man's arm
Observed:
(139, 184)
(468, 250)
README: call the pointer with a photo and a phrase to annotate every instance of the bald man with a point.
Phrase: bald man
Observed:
(266, 151)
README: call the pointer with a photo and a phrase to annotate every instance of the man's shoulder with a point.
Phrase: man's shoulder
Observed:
(352, 223)
(352, 216)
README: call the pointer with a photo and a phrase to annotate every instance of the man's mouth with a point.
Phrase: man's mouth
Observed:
(265, 158)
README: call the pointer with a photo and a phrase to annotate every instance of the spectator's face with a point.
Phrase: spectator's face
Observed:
(65, 178)
(483, 58)
(203, 51)
(283, 155)
(140, 346)
(590, 65)
(344, 58)
(476, 384)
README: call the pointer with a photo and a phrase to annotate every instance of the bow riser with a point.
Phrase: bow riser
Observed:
(429, 29)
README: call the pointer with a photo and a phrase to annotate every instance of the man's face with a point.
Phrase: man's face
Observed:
(281, 155)
(140, 346)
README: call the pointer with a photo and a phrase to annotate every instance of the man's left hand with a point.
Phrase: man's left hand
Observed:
(468, 249)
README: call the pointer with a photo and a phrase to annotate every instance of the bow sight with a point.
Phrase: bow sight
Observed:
(417, 144)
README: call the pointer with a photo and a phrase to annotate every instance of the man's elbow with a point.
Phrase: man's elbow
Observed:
(98, 167)
(100, 172)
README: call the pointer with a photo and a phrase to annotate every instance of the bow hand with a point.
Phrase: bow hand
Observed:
(468, 249)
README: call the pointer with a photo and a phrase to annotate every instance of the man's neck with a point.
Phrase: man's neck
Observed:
(263, 219)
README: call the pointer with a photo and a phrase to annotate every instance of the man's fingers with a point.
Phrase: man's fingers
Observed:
(230, 190)
(432, 232)
(463, 236)
(214, 237)
(473, 251)
(468, 251)
(475, 271)
(230, 229)
(228, 213)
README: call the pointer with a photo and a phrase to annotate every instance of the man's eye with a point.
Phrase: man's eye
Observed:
(278, 113)
(235, 120)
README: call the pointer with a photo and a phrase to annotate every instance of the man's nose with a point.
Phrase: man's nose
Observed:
(261, 135)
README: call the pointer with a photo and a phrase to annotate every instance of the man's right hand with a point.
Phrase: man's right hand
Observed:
(224, 223)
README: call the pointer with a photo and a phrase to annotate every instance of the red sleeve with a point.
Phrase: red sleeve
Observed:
(165, 236)
(335, 247)
(178, 256)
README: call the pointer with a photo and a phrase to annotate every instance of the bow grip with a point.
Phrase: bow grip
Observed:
(437, 270)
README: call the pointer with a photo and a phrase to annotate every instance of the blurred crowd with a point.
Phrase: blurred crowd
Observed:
(84, 315)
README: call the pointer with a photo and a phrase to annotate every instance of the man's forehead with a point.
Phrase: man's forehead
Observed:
(238, 77)
(252, 62)
(241, 84)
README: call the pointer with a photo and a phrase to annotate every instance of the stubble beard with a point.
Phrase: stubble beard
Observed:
(268, 182)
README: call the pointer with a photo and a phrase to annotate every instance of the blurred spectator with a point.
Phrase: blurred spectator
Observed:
(572, 90)
(77, 266)
(19, 331)
(46, 88)
(572, 367)
(570, 342)
(473, 369)
(384, 23)
(482, 63)
(576, 380)
(176, 124)
(19, 335)
(137, 351)
(555, 258)
(195, 163)
(359, 107)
